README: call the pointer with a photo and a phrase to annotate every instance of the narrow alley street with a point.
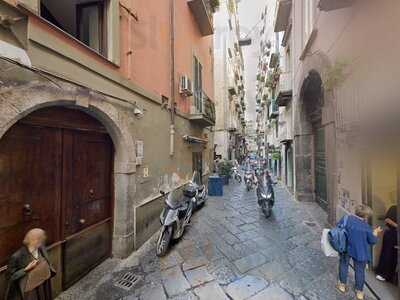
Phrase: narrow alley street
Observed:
(230, 251)
(106, 106)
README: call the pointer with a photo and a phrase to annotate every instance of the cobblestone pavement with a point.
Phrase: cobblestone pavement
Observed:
(230, 251)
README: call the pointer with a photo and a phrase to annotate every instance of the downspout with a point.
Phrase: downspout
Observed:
(172, 101)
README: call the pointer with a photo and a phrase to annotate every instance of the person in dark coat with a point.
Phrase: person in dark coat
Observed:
(386, 270)
(29, 270)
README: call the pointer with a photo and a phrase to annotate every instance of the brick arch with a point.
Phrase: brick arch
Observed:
(18, 102)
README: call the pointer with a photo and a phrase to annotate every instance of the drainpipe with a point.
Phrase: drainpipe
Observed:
(172, 101)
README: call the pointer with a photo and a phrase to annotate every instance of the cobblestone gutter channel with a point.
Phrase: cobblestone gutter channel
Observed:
(230, 251)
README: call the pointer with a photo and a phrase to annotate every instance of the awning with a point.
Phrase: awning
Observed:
(194, 140)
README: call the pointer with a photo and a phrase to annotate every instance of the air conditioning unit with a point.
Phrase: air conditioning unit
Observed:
(185, 86)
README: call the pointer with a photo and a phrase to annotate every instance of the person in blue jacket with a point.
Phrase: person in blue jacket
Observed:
(360, 238)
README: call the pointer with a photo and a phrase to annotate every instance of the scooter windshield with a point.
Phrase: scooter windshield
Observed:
(196, 178)
(174, 198)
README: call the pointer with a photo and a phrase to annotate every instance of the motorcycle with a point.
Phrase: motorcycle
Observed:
(266, 195)
(248, 179)
(201, 190)
(236, 175)
(175, 217)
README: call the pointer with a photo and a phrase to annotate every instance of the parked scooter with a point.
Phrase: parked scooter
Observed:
(265, 193)
(175, 217)
(236, 175)
(201, 190)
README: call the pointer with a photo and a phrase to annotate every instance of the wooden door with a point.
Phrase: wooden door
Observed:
(320, 168)
(87, 202)
(30, 181)
(55, 173)
(87, 178)
(197, 162)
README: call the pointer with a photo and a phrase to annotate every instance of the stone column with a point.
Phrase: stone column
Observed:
(331, 177)
(303, 151)
(303, 167)
(124, 221)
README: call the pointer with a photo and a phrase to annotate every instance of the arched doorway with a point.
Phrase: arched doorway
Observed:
(56, 172)
(313, 135)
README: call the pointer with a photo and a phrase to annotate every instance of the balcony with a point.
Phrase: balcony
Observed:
(329, 5)
(282, 15)
(273, 62)
(284, 132)
(202, 15)
(203, 113)
(273, 110)
(284, 89)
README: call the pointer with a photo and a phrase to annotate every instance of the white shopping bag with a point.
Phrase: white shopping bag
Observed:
(326, 246)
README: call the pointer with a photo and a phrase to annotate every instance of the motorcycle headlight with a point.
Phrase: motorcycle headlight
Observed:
(263, 195)
(269, 196)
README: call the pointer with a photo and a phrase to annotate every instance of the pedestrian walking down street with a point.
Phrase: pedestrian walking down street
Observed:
(360, 237)
(386, 270)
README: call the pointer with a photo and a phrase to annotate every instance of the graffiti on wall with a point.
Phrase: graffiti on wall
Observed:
(345, 200)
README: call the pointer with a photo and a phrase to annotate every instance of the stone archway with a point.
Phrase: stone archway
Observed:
(17, 101)
(315, 137)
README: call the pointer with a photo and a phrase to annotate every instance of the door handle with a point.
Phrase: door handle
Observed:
(27, 209)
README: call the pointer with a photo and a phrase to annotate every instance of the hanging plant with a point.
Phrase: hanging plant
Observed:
(335, 75)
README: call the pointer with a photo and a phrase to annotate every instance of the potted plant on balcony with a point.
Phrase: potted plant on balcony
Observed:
(224, 170)
(214, 5)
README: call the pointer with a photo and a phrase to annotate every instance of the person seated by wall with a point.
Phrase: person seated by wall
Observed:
(386, 270)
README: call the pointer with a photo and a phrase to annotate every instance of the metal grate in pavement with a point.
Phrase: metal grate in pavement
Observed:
(128, 281)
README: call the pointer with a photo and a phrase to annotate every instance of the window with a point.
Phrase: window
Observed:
(90, 24)
(83, 19)
(198, 84)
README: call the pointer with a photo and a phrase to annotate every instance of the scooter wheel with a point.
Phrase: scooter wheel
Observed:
(163, 242)
(266, 210)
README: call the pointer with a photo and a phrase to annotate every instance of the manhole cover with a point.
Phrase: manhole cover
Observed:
(128, 281)
(310, 224)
